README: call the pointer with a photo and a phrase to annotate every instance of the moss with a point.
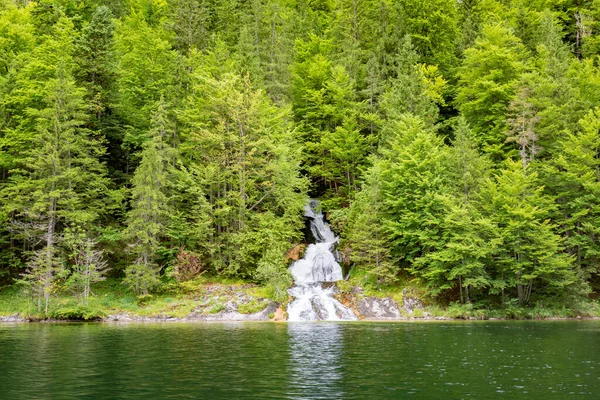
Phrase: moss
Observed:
(216, 308)
(252, 307)
(418, 313)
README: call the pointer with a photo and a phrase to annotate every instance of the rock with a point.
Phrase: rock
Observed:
(230, 314)
(376, 308)
(296, 252)
(12, 318)
(410, 303)
(279, 314)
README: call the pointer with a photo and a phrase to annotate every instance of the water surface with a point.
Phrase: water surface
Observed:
(456, 360)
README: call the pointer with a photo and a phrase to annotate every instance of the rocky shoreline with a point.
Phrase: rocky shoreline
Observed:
(230, 303)
(366, 308)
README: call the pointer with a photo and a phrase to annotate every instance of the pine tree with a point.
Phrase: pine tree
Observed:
(95, 56)
(325, 105)
(365, 234)
(191, 21)
(413, 176)
(432, 26)
(470, 239)
(246, 158)
(59, 180)
(416, 88)
(89, 264)
(574, 177)
(145, 73)
(147, 219)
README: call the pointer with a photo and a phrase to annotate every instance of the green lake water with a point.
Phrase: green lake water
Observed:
(449, 360)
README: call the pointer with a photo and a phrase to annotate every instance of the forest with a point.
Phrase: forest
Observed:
(451, 143)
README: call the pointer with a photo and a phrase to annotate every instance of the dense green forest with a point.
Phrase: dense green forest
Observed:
(453, 143)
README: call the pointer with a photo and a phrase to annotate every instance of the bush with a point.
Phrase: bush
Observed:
(216, 308)
(144, 299)
(188, 265)
(78, 312)
(275, 275)
(457, 310)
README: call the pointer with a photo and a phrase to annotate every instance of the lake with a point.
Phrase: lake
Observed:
(436, 360)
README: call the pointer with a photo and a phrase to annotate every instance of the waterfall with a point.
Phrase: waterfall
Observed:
(312, 300)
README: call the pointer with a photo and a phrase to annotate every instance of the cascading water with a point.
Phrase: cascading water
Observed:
(312, 301)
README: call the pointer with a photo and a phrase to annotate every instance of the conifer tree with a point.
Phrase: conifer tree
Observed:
(147, 219)
(89, 264)
(488, 79)
(95, 56)
(365, 234)
(413, 175)
(574, 176)
(469, 238)
(325, 104)
(246, 157)
(432, 26)
(145, 72)
(59, 180)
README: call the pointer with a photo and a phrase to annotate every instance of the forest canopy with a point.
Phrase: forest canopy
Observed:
(455, 143)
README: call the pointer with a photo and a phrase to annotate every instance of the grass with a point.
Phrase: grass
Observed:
(205, 294)
(208, 295)
(252, 307)
(434, 308)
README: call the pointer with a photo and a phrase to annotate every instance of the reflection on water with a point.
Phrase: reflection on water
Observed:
(315, 361)
(321, 360)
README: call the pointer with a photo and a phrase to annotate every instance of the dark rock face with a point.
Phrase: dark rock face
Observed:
(376, 308)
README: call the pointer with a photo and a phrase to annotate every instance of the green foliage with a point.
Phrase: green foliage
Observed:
(453, 145)
(77, 312)
(254, 202)
(253, 306)
(273, 272)
(89, 264)
(412, 178)
(487, 83)
(531, 249)
(143, 74)
(432, 26)
(146, 221)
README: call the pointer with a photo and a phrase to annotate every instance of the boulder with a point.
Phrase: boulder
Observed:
(296, 252)
(376, 308)
(279, 315)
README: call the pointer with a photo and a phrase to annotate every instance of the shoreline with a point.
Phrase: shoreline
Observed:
(169, 320)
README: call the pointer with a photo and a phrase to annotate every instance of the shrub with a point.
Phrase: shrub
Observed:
(188, 265)
(251, 307)
(216, 308)
(78, 312)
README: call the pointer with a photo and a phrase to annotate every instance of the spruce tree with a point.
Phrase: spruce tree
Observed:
(59, 180)
(488, 80)
(573, 175)
(246, 157)
(413, 176)
(147, 219)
